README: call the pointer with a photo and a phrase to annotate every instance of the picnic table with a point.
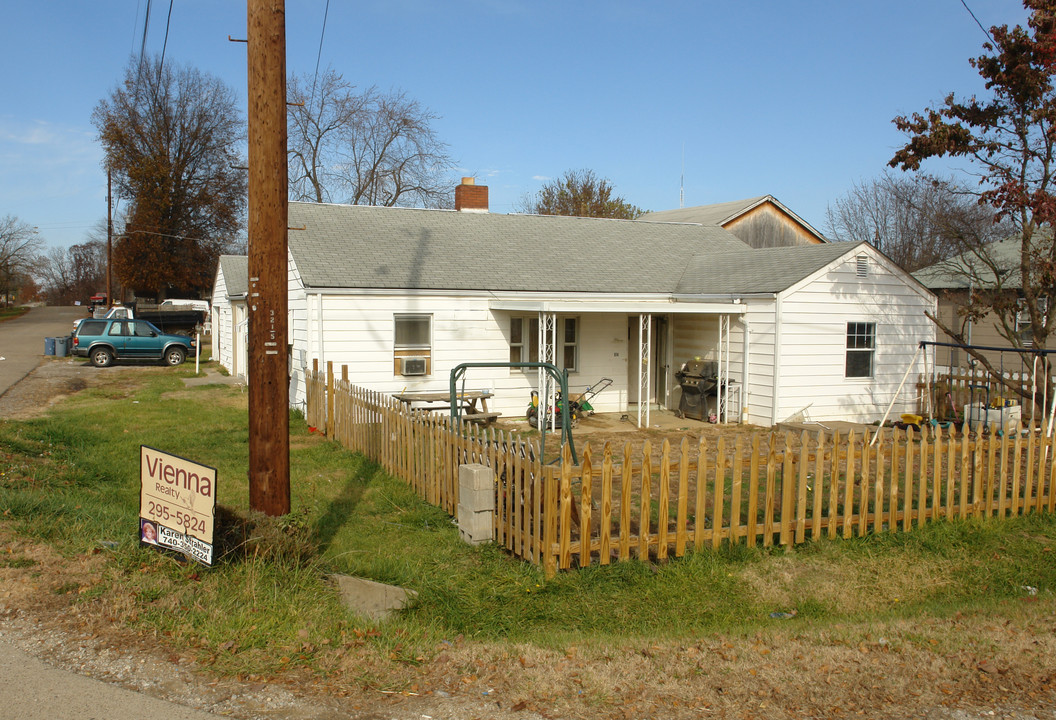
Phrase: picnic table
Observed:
(473, 404)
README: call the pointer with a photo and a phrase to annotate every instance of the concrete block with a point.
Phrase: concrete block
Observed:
(477, 499)
(474, 476)
(370, 599)
(475, 527)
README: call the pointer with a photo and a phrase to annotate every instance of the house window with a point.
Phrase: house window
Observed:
(412, 349)
(1026, 337)
(861, 347)
(570, 345)
(524, 339)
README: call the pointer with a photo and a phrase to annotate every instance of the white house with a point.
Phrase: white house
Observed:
(401, 296)
(229, 314)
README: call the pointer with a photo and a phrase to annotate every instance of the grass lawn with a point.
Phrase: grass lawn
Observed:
(70, 481)
(12, 312)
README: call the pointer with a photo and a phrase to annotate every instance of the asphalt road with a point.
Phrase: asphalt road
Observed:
(29, 689)
(22, 340)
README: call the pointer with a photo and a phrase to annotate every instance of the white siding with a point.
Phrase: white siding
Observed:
(814, 319)
(222, 337)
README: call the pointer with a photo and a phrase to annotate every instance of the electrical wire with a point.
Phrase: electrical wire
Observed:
(143, 43)
(165, 45)
(985, 31)
(319, 55)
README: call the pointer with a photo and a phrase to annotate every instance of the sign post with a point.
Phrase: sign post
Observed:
(177, 504)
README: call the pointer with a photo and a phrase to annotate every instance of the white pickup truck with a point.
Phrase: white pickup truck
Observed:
(181, 317)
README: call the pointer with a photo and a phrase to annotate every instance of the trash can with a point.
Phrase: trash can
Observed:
(60, 346)
(49, 346)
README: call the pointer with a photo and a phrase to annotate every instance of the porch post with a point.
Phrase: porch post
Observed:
(644, 357)
(547, 342)
(742, 412)
(723, 411)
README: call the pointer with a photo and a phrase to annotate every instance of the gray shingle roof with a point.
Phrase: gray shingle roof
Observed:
(969, 268)
(236, 274)
(714, 214)
(345, 246)
(765, 270)
(722, 213)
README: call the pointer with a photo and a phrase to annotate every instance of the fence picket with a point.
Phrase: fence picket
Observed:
(645, 502)
(663, 510)
(803, 462)
(604, 551)
(683, 498)
(719, 492)
(753, 491)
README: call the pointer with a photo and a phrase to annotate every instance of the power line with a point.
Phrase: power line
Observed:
(165, 44)
(319, 55)
(143, 43)
(985, 31)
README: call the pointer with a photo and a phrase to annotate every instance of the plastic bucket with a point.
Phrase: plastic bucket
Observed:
(60, 346)
(49, 346)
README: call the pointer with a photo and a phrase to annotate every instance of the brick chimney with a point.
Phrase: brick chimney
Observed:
(470, 197)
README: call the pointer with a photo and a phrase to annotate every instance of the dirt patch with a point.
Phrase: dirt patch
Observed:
(48, 384)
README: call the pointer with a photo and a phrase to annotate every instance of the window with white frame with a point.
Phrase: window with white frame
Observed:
(524, 341)
(1026, 336)
(413, 343)
(570, 345)
(861, 349)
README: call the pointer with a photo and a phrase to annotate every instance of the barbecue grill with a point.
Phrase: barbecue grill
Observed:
(698, 380)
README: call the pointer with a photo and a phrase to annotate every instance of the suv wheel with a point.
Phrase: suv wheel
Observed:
(174, 356)
(101, 357)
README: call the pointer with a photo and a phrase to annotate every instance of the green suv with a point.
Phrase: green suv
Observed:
(103, 341)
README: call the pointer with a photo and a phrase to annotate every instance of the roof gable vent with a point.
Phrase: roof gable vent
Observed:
(862, 266)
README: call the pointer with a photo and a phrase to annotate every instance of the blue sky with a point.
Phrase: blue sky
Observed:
(794, 99)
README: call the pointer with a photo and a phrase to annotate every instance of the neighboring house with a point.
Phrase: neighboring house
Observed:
(762, 222)
(229, 316)
(401, 296)
(952, 280)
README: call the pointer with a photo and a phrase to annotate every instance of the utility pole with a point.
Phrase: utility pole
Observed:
(269, 419)
(109, 235)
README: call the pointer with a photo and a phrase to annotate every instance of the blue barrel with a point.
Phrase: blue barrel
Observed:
(60, 346)
(49, 346)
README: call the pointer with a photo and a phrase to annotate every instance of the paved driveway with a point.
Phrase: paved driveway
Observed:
(22, 340)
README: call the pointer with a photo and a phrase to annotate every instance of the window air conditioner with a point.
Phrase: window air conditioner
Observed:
(412, 366)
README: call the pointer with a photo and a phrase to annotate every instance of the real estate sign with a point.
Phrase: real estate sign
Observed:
(177, 503)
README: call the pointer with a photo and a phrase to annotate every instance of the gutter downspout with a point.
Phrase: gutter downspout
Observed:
(777, 360)
(743, 411)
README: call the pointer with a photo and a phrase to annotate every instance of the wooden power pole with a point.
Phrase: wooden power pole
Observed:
(269, 419)
(109, 236)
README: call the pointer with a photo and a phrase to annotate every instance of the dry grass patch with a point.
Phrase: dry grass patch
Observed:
(874, 584)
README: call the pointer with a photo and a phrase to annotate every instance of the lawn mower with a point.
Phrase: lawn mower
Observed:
(578, 408)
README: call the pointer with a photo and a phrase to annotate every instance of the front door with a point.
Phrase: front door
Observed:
(658, 362)
(662, 368)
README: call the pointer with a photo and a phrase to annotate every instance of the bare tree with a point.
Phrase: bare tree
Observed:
(19, 246)
(579, 193)
(916, 220)
(171, 137)
(368, 148)
(73, 273)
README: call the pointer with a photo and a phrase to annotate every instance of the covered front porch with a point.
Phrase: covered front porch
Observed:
(640, 344)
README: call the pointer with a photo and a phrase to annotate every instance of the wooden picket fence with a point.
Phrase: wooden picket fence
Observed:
(951, 390)
(765, 489)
